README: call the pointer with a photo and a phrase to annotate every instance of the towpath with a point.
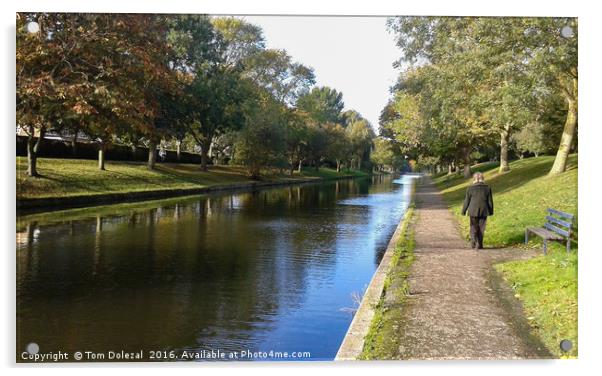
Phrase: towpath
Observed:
(454, 311)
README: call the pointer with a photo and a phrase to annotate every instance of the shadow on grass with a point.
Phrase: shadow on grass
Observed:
(521, 173)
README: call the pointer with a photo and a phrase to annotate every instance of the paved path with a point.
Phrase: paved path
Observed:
(452, 311)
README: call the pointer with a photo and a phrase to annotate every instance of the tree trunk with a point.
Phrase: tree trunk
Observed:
(338, 165)
(74, 143)
(567, 137)
(450, 169)
(152, 155)
(467, 171)
(291, 164)
(32, 151)
(204, 158)
(536, 154)
(504, 149)
(101, 156)
(31, 157)
(179, 150)
(300, 165)
(317, 165)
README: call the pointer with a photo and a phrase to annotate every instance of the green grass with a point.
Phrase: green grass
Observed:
(329, 173)
(382, 340)
(521, 197)
(546, 285)
(71, 177)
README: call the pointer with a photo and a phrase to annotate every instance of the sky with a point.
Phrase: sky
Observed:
(353, 55)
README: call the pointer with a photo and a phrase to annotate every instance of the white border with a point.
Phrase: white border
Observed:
(590, 313)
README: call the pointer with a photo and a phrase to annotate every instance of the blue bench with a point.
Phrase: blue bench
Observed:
(558, 227)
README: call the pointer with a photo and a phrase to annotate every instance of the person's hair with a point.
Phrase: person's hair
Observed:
(477, 177)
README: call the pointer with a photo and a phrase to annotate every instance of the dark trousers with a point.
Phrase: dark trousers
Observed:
(477, 231)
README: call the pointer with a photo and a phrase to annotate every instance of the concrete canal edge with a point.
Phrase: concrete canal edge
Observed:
(353, 343)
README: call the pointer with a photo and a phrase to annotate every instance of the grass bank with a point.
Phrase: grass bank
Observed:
(546, 285)
(382, 340)
(521, 196)
(78, 177)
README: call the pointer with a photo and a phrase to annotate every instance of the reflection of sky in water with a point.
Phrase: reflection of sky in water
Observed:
(364, 226)
(269, 270)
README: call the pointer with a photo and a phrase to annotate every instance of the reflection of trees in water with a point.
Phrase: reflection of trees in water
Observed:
(97, 245)
(27, 253)
(382, 184)
(215, 271)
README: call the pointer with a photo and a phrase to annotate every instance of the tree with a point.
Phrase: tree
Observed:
(214, 90)
(167, 121)
(359, 136)
(174, 118)
(383, 155)
(242, 40)
(326, 137)
(323, 104)
(522, 56)
(86, 69)
(317, 144)
(195, 47)
(350, 116)
(216, 101)
(337, 146)
(554, 60)
(404, 123)
(434, 116)
(275, 71)
(261, 142)
(531, 138)
(296, 137)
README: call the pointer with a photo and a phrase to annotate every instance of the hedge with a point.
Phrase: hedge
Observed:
(115, 152)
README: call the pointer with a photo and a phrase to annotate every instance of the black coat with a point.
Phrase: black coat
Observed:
(478, 201)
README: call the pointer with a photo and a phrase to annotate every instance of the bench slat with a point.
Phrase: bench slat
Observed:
(559, 221)
(560, 213)
(545, 233)
(557, 230)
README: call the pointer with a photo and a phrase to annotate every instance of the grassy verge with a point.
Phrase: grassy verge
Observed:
(521, 197)
(546, 285)
(382, 340)
(75, 177)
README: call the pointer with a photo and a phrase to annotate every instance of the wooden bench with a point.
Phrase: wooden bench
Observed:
(558, 227)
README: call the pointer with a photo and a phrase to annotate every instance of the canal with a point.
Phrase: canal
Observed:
(279, 269)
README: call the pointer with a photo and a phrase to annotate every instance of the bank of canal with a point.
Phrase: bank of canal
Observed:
(278, 269)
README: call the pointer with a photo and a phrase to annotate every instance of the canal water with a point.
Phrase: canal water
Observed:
(277, 270)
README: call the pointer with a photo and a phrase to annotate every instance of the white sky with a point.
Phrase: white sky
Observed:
(353, 55)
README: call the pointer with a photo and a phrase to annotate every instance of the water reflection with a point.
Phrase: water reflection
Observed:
(265, 270)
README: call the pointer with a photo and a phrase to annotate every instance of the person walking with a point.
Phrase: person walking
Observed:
(478, 203)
